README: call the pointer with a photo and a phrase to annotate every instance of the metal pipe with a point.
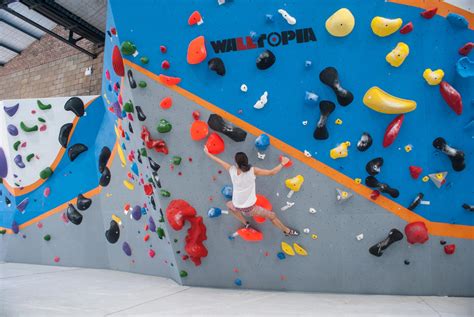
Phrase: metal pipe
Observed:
(8, 47)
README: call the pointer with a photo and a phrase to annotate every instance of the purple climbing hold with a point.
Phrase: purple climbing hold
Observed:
(3, 164)
(15, 227)
(19, 161)
(12, 130)
(152, 224)
(22, 206)
(126, 248)
(137, 212)
(11, 111)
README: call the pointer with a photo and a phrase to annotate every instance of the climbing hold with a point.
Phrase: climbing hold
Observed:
(238, 282)
(418, 199)
(340, 151)
(195, 18)
(3, 164)
(104, 158)
(415, 171)
(154, 166)
(16, 145)
(243, 88)
(397, 56)
(26, 128)
(128, 185)
(47, 237)
(199, 130)
(451, 96)
(215, 144)
(457, 20)
(128, 48)
(166, 103)
(380, 101)
(22, 205)
(176, 160)
(468, 207)
(161, 233)
(248, 234)
(164, 126)
(158, 145)
(83, 203)
(197, 51)
(75, 150)
(285, 247)
(416, 232)
(465, 67)
(466, 48)
(299, 249)
(265, 60)
(262, 142)
(217, 65)
(342, 195)
(449, 249)
(407, 28)
(456, 156)
(105, 177)
(294, 184)
(433, 77)
(12, 130)
(288, 18)
(217, 123)
(338, 121)
(340, 23)
(126, 248)
(330, 77)
(42, 106)
(310, 98)
(128, 107)
(227, 191)
(372, 182)
(165, 64)
(168, 80)
(144, 60)
(439, 179)
(429, 13)
(73, 215)
(140, 114)
(136, 212)
(365, 142)
(142, 84)
(262, 101)
(11, 111)
(392, 130)
(165, 193)
(183, 273)
(374, 165)
(64, 133)
(326, 108)
(131, 80)
(393, 236)
(357, 180)
(215, 212)
(113, 233)
(75, 105)
(384, 27)
(19, 161)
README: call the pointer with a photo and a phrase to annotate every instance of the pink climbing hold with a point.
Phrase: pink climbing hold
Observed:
(151, 253)
(107, 74)
(39, 225)
(46, 192)
(466, 48)
(416, 232)
(56, 259)
(407, 28)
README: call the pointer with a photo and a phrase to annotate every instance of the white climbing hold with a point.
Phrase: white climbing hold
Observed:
(307, 154)
(425, 202)
(360, 237)
(306, 230)
(305, 122)
(262, 101)
(291, 20)
(288, 206)
(243, 88)
(261, 156)
(312, 210)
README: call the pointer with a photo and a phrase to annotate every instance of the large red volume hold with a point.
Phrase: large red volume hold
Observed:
(451, 96)
(392, 130)
(215, 145)
(178, 212)
(416, 232)
(158, 145)
(117, 62)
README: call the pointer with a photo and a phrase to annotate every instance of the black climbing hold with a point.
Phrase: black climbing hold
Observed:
(152, 202)
(373, 166)
(8, 201)
(468, 207)
(83, 202)
(456, 156)
(131, 80)
(326, 108)
(330, 77)
(130, 128)
(113, 234)
(104, 158)
(442, 242)
(105, 177)
(265, 60)
(384, 188)
(64, 134)
(416, 201)
(75, 150)
(365, 142)
(139, 157)
(141, 116)
(406, 262)
(217, 65)
(75, 105)
(154, 166)
(218, 124)
(393, 236)
(73, 215)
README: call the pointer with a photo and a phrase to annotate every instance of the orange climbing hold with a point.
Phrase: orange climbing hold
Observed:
(117, 62)
(199, 130)
(263, 202)
(215, 144)
(195, 18)
(168, 80)
(250, 234)
(197, 51)
(166, 103)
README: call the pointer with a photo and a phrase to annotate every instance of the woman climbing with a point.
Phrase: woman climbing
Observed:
(243, 196)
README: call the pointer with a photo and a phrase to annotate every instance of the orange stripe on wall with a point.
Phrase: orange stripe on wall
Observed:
(435, 228)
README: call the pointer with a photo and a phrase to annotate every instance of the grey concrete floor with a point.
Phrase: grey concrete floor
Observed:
(36, 290)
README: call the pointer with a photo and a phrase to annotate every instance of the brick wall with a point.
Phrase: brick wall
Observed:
(50, 68)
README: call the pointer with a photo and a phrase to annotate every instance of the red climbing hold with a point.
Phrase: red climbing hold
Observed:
(163, 49)
(416, 232)
(428, 14)
(374, 194)
(392, 130)
(113, 31)
(165, 64)
(199, 130)
(148, 188)
(178, 212)
(166, 103)
(197, 51)
(117, 61)
(466, 49)
(168, 80)
(196, 115)
(195, 18)
(119, 99)
(289, 164)
(159, 145)
(263, 202)
(407, 28)
(250, 234)
(449, 248)
(215, 144)
(451, 96)
(415, 171)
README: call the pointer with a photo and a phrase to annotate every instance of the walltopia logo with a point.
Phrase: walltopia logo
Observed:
(272, 39)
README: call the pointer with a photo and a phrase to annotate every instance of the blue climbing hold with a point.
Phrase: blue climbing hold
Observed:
(457, 20)
(227, 191)
(465, 67)
(281, 255)
(262, 142)
(269, 18)
(214, 212)
(134, 168)
(238, 282)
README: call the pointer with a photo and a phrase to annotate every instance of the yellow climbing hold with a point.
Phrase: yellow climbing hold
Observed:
(299, 249)
(425, 179)
(117, 219)
(128, 185)
(287, 248)
(408, 148)
(314, 236)
(439, 176)
(397, 56)
(340, 151)
(338, 121)
(380, 101)
(358, 180)
(344, 194)
(121, 155)
(384, 27)
(433, 77)
(341, 23)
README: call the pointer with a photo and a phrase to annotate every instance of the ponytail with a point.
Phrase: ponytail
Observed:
(242, 162)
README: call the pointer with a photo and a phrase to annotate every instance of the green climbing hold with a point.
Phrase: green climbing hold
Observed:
(162, 219)
(142, 84)
(29, 157)
(176, 160)
(128, 106)
(26, 128)
(46, 173)
(144, 60)
(165, 193)
(47, 237)
(143, 152)
(41, 120)
(160, 232)
(183, 273)
(128, 48)
(42, 106)
(16, 145)
(175, 240)
(164, 126)
(3, 231)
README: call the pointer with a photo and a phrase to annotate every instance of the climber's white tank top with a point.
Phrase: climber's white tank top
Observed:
(243, 194)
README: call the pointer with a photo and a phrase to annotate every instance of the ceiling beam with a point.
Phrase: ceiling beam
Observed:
(16, 27)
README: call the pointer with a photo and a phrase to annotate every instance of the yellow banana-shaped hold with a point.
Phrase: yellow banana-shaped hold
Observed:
(397, 56)
(121, 155)
(384, 27)
(433, 77)
(380, 101)
(299, 249)
(287, 248)
(128, 185)
(340, 151)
